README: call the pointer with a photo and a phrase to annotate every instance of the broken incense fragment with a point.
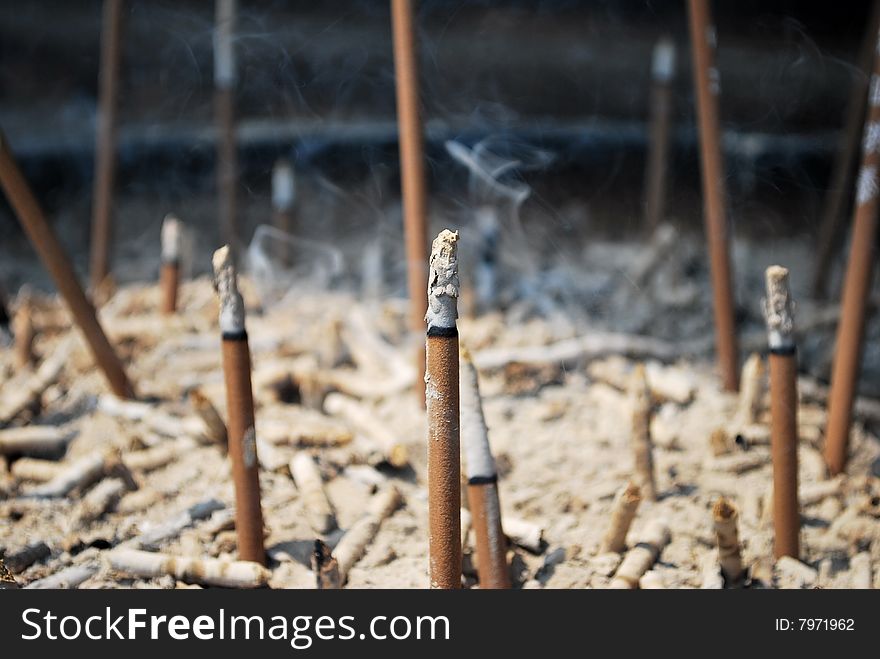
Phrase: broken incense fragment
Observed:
(204, 571)
(34, 469)
(626, 503)
(169, 277)
(19, 561)
(363, 420)
(99, 500)
(725, 518)
(240, 408)
(325, 567)
(353, 544)
(779, 312)
(643, 474)
(78, 474)
(442, 403)
(70, 577)
(525, 534)
(34, 440)
(215, 428)
(482, 483)
(642, 556)
(23, 330)
(309, 482)
(15, 400)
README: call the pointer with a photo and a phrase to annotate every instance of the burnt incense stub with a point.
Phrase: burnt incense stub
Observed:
(779, 310)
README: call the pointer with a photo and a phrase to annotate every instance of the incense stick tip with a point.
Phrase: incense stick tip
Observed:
(283, 185)
(779, 308)
(231, 303)
(443, 281)
(170, 238)
(663, 63)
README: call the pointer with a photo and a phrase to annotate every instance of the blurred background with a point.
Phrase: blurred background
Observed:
(559, 90)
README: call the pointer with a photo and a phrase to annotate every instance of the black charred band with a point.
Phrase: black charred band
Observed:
(784, 351)
(235, 336)
(442, 331)
(483, 480)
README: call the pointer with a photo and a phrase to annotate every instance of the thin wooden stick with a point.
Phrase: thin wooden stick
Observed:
(707, 83)
(225, 77)
(105, 142)
(857, 285)
(54, 259)
(240, 407)
(779, 310)
(840, 188)
(662, 72)
(442, 402)
(412, 165)
(482, 483)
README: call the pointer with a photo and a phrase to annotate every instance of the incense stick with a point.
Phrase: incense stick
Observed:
(169, 275)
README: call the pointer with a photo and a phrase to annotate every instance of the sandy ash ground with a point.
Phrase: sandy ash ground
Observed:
(557, 407)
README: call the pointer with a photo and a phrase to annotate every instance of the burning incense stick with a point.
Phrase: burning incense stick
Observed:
(105, 143)
(830, 233)
(778, 309)
(707, 83)
(283, 194)
(442, 402)
(857, 285)
(725, 517)
(169, 275)
(240, 408)
(54, 259)
(482, 483)
(662, 72)
(412, 174)
(643, 475)
(224, 117)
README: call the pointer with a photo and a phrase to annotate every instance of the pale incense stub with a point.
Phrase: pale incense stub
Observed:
(443, 282)
(663, 62)
(474, 432)
(867, 185)
(224, 50)
(779, 309)
(170, 237)
(283, 186)
(231, 302)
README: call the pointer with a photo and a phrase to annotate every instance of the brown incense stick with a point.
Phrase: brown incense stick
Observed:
(224, 118)
(857, 285)
(662, 72)
(442, 403)
(482, 483)
(778, 309)
(55, 260)
(240, 408)
(707, 82)
(412, 165)
(105, 142)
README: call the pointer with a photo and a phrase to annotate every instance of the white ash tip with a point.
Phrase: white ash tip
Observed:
(231, 303)
(443, 281)
(283, 186)
(172, 228)
(779, 308)
(663, 65)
